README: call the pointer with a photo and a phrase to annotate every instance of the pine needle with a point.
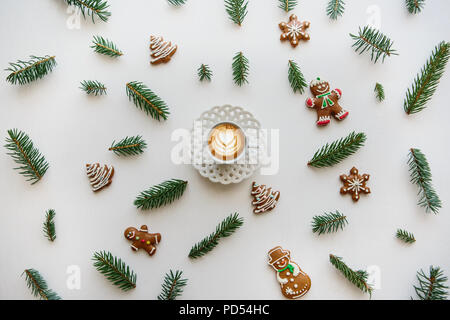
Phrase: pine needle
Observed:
(420, 173)
(172, 286)
(226, 228)
(32, 163)
(115, 270)
(106, 47)
(23, 72)
(38, 286)
(129, 146)
(427, 81)
(296, 78)
(287, 5)
(161, 194)
(93, 87)
(331, 154)
(432, 286)
(370, 39)
(335, 9)
(146, 100)
(93, 8)
(379, 92)
(358, 278)
(204, 72)
(240, 69)
(237, 10)
(405, 236)
(49, 225)
(177, 2)
(329, 222)
(415, 6)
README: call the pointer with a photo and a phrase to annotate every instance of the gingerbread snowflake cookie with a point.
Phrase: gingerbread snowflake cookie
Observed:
(99, 176)
(293, 281)
(355, 184)
(264, 198)
(142, 239)
(294, 30)
(161, 51)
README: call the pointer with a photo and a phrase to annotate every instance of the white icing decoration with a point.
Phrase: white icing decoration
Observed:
(99, 176)
(265, 199)
(160, 49)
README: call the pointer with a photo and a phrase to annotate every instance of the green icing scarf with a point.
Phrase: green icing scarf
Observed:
(289, 266)
(327, 102)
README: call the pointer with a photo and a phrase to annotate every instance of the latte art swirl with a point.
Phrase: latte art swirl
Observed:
(226, 141)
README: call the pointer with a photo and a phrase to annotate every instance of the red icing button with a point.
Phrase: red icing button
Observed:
(142, 240)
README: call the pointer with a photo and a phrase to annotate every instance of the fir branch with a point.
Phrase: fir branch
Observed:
(240, 69)
(49, 225)
(296, 78)
(415, 6)
(426, 82)
(379, 92)
(93, 87)
(226, 228)
(335, 9)
(204, 72)
(329, 222)
(177, 2)
(38, 286)
(129, 146)
(432, 286)
(106, 47)
(23, 72)
(420, 173)
(287, 5)
(115, 270)
(331, 154)
(237, 10)
(370, 39)
(173, 286)
(161, 194)
(405, 236)
(32, 163)
(358, 278)
(146, 100)
(93, 8)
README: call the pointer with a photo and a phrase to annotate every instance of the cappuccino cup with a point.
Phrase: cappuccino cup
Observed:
(226, 142)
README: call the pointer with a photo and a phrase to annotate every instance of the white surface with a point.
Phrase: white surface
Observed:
(71, 129)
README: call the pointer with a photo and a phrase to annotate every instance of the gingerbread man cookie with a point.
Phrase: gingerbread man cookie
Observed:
(142, 239)
(293, 281)
(294, 30)
(325, 102)
(355, 184)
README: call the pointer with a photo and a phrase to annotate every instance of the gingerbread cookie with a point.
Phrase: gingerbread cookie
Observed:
(264, 198)
(355, 184)
(161, 51)
(325, 102)
(293, 281)
(99, 176)
(294, 30)
(142, 239)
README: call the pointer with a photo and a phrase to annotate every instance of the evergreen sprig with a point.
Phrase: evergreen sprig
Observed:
(177, 2)
(335, 9)
(38, 286)
(287, 5)
(23, 72)
(115, 270)
(93, 87)
(358, 278)
(237, 10)
(415, 6)
(49, 225)
(329, 222)
(370, 39)
(405, 236)
(32, 163)
(426, 82)
(240, 69)
(432, 286)
(226, 228)
(204, 72)
(379, 92)
(296, 78)
(106, 47)
(161, 194)
(129, 146)
(93, 8)
(146, 100)
(172, 286)
(331, 154)
(420, 173)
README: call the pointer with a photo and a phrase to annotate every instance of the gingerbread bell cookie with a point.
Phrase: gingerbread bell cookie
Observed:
(294, 30)
(99, 176)
(293, 281)
(161, 51)
(264, 198)
(355, 184)
(142, 239)
(325, 102)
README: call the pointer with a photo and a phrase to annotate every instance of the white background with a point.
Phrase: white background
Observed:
(71, 129)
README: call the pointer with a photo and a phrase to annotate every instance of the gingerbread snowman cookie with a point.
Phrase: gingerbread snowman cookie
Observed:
(142, 239)
(293, 281)
(325, 102)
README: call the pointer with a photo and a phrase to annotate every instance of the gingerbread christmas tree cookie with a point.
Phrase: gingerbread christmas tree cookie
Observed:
(161, 51)
(294, 30)
(355, 184)
(264, 198)
(99, 176)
